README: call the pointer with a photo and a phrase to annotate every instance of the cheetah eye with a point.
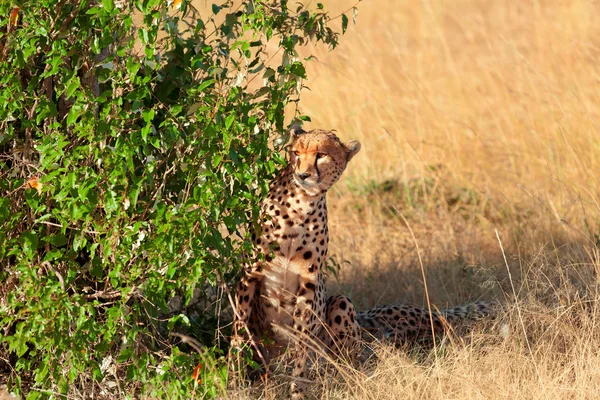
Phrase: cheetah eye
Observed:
(321, 155)
(296, 153)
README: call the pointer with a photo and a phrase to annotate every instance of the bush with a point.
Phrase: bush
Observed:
(135, 148)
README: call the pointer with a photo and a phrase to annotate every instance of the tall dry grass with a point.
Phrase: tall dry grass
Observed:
(479, 125)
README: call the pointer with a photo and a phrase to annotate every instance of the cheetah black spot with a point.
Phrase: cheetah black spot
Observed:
(277, 212)
(396, 317)
(343, 305)
(412, 322)
(310, 285)
(322, 242)
(246, 298)
(307, 255)
(390, 311)
(285, 216)
(311, 268)
(338, 319)
(290, 223)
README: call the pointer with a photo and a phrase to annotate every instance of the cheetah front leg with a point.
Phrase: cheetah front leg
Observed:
(304, 314)
(244, 302)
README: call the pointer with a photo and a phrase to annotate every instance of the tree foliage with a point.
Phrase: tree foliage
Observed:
(136, 141)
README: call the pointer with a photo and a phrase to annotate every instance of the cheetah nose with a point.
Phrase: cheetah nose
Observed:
(303, 175)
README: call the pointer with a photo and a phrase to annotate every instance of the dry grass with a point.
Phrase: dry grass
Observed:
(474, 116)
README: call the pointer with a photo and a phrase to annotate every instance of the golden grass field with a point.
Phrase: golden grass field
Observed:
(475, 117)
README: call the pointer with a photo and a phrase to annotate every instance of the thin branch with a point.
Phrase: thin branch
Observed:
(68, 227)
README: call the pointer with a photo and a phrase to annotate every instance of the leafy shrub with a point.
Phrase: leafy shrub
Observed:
(136, 142)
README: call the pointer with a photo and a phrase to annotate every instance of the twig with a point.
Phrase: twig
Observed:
(58, 275)
(68, 227)
(190, 341)
(104, 295)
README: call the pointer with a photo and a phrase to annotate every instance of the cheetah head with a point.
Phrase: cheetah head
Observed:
(318, 159)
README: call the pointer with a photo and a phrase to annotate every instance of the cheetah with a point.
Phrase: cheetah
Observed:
(282, 297)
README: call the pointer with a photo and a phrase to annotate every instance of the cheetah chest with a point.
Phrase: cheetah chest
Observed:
(294, 260)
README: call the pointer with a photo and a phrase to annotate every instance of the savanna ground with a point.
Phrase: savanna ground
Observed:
(479, 128)
(480, 150)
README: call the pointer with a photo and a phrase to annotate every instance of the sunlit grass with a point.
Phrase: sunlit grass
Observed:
(475, 116)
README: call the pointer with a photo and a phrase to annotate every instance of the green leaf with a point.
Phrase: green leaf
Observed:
(108, 5)
(205, 84)
(29, 242)
(344, 23)
(4, 210)
(56, 240)
(73, 85)
(229, 121)
(74, 113)
(33, 199)
(125, 355)
(148, 115)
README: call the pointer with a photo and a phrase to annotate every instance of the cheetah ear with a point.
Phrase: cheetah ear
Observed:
(296, 130)
(352, 147)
